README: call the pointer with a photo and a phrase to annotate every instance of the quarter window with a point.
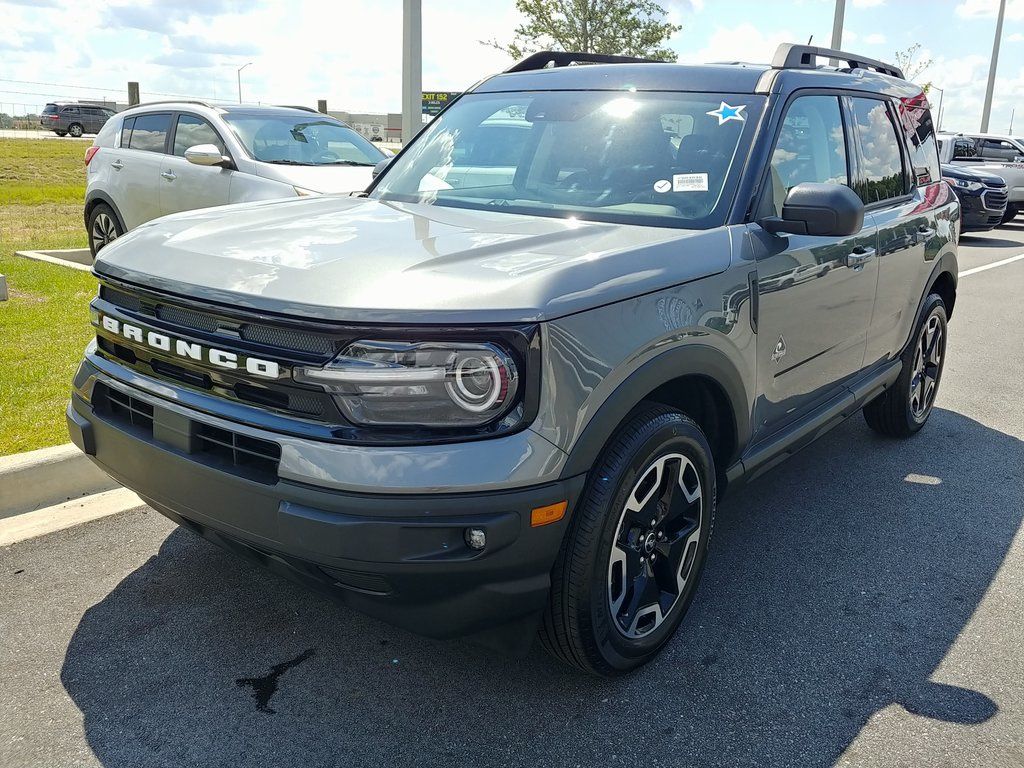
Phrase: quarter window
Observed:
(811, 147)
(882, 176)
(193, 130)
(150, 133)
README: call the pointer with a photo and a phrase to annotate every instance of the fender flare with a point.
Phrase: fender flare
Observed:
(947, 262)
(102, 197)
(692, 359)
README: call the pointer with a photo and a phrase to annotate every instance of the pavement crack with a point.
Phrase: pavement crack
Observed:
(264, 688)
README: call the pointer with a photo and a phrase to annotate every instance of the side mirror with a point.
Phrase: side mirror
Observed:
(378, 169)
(823, 210)
(207, 154)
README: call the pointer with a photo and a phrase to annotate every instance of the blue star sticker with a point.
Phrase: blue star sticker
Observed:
(725, 113)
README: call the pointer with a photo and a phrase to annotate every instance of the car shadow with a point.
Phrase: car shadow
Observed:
(975, 241)
(835, 587)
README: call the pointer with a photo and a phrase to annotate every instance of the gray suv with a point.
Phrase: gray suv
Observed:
(74, 119)
(502, 393)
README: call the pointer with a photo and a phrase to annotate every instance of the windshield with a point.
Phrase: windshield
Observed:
(292, 140)
(660, 159)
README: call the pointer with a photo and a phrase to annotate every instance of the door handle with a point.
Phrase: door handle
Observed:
(117, 165)
(169, 175)
(858, 257)
(924, 232)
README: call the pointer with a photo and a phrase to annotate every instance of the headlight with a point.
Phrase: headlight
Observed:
(424, 383)
(970, 186)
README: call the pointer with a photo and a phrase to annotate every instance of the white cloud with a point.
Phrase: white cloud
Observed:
(969, 9)
(1016, 37)
(875, 38)
(744, 41)
(867, 3)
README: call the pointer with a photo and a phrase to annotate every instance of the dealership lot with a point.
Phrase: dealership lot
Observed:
(864, 605)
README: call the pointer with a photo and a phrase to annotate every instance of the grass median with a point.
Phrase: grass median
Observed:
(44, 325)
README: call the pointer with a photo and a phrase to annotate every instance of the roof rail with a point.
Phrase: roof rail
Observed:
(297, 106)
(795, 56)
(544, 59)
(173, 101)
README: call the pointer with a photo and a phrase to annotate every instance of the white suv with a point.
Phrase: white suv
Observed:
(162, 158)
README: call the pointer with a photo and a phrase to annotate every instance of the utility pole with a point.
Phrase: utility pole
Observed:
(133, 93)
(837, 25)
(938, 112)
(240, 80)
(412, 69)
(986, 111)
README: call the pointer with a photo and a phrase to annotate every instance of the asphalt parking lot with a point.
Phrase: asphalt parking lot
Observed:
(863, 605)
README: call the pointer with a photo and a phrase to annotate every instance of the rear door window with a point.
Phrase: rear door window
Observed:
(998, 149)
(882, 176)
(149, 132)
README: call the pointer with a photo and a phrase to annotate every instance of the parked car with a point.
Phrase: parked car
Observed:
(511, 407)
(73, 118)
(962, 151)
(997, 146)
(982, 197)
(167, 157)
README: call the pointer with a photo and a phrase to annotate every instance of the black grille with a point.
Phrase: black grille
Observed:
(189, 318)
(288, 338)
(249, 454)
(121, 299)
(129, 410)
(995, 198)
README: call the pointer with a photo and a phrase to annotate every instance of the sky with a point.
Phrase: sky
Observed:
(349, 51)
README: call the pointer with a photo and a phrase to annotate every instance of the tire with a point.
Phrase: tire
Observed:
(597, 620)
(904, 408)
(62, 134)
(76, 130)
(104, 227)
(1010, 214)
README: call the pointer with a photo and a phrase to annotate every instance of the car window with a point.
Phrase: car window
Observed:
(652, 158)
(881, 172)
(149, 133)
(51, 109)
(916, 119)
(107, 134)
(70, 110)
(964, 148)
(997, 149)
(193, 130)
(288, 139)
(811, 146)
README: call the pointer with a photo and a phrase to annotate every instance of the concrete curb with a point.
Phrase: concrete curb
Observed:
(76, 258)
(43, 478)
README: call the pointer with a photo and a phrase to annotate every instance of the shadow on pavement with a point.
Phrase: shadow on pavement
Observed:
(974, 241)
(835, 587)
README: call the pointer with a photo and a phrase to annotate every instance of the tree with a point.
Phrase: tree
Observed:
(912, 68)
(623, 27)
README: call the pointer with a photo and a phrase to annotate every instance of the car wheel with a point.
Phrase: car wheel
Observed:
(631, 560)
(904, 408)
(75, 130)
(1010, 215)
(104, 227)
(61, 133)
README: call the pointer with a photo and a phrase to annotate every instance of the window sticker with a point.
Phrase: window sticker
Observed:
(690, 182)
(725, 113)
(663, 186)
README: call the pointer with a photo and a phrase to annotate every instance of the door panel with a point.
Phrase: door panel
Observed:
(185, 186)
(816, 294)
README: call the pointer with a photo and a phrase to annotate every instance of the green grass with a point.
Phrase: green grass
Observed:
(45, 324)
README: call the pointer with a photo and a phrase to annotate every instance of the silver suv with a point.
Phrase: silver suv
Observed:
(169, 157)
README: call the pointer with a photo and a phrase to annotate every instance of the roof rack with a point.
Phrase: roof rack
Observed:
(544, 59)
(795, 56)
(174, 101)
(297, 106)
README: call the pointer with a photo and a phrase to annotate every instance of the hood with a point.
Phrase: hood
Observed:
(972, 173)
(361, 260)
(319, 178)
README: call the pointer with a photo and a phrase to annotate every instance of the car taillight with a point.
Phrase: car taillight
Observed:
(90, 153)
(55, 117)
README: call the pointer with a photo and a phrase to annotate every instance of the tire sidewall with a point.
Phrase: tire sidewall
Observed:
(71, 130)
(676, 436)
(101, 208)
(933, 306)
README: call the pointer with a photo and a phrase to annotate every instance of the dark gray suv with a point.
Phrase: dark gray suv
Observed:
(74, 119)
(501, 393)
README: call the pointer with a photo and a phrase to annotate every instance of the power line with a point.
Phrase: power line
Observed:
(97, 88)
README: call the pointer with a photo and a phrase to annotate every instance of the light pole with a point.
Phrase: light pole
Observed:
(240, 80)
(938, 112)
(837, 25)
(986, 111)
(412, 69)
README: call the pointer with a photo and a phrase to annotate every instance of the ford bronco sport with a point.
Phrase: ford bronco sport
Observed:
(503, 392)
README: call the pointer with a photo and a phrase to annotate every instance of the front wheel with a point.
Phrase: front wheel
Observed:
(629, 566)
(904, 408)
(76, 130)
(1010, 214)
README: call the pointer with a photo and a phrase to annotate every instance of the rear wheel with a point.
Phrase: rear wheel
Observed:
(904, 408)
(75, 130)
(61, 133)
(629, 566)
(1010, 215)
(104, 228)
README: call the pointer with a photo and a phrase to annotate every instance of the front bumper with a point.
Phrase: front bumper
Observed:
(400, 557)
(975, 212)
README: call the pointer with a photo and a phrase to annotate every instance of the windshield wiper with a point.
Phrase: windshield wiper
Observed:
(350, 162)
(284, 162)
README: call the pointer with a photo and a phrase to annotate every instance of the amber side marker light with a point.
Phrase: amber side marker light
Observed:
(552, 513)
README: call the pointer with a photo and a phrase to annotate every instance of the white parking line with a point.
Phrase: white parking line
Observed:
(993, 265)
